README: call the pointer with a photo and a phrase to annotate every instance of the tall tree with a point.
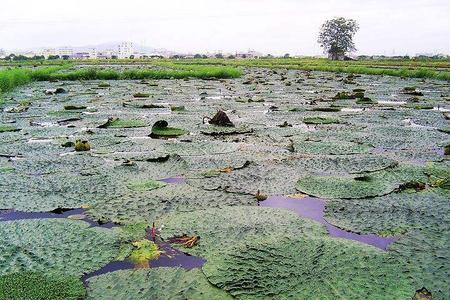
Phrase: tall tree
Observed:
(336, 37)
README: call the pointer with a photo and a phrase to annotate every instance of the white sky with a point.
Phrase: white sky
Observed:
(269, 26)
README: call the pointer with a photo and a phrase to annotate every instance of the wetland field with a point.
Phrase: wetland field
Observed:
(222, 179)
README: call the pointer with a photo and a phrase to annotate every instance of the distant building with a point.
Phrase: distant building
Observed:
(48, 52)
(65, 52)
(81, 55)
(106, 54)
(125, 50)
(248, 54)
(93, 53)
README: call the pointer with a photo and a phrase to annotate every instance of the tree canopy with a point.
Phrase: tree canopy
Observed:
(336, 37)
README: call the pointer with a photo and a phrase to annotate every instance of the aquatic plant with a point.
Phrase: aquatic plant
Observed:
(74, 107)
(144, 251)
(155, 283)
(7, 128)
(123, 123)
(320, 120)
(41, 286)
(55, 245)
(141, 95)
(81, 145)
(360, 185)
(323, 267)
(161, 129)
(104, 85)
(219, 119)
(145, 185)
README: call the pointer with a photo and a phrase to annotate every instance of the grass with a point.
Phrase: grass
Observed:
(213, 68)
(401, 68)
(12, 78)
(190, 71)
(18, 76)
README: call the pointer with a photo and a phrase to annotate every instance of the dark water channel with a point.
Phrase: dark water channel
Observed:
(314, 208)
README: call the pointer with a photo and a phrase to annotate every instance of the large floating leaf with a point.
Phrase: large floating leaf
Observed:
(123, 123)
(334, 148)
(55, 245)
(426, 255)
(298, 267)
(392, 214)
(148, 205)
(280, 176)
(360, 186)
(158, 283)
(219, 228)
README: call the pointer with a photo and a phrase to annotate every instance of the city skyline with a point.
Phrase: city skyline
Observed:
(199, 26)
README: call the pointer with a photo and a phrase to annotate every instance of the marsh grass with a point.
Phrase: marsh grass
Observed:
(14, 77)
(177, 72)
(400, 68)
(18, 76)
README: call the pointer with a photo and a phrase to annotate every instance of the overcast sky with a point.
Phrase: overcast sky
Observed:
(269, 26)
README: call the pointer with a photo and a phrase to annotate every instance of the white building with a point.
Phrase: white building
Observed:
(125, 50)
(48, 52)
(107, 54)
(65, 51)
(92, 53)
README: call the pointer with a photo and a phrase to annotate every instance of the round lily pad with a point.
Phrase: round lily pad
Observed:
(157, 283)
(55, 245)
(330, 147)
(299, 267)
(361, 185)
(145, 185)
(220, 228)
(161, 129)
(320, 120)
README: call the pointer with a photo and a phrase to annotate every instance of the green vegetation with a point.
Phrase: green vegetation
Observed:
(330, 147)
(141, 95)
(123, 123)
(144, 251)
(320, 120)
(178, 72)
(81, 145)
(401, 68)
(161, 130)
(361, 185)
(11, 78)
(55, 245)
(249, 254)
(37, 286)
(155, 283)
(14, 77)
(7, 128)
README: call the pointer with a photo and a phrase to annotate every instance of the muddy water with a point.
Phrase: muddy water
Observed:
(174, 180)
(314, 208)
(169, 257)
(60, 213)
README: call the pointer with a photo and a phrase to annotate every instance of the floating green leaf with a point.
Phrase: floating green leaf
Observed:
(147, 185)
(55, 245)
(320, 120)
(40, 286)
(157, 283)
